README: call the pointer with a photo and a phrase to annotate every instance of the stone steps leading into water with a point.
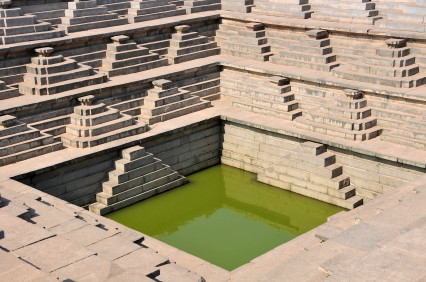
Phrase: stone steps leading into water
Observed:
(138, 176)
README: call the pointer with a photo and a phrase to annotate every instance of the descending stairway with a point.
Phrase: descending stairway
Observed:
(124, 57)
(138, 175)
(312, 171)
(349, 118)
(197, 6)
(166, 101)
(312, 51)
(405, 15)
(355, 11)
(266, 95)
(288, 8)
(95, 124)
(391, 65)
(19, 141)
(186, 46)
(141, 10)
(47, 74)
(247, 41)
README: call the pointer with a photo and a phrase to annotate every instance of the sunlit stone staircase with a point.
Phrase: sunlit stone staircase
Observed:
(19, 141)
(313, 52)
(284, 8)
(16, 27)
(312, 171)
(404, 15)
(266, 95)
(95, 124)
(391, 65)
(47, 74)
(141, 10)
(196, 6)
(87, 14)
(138, 175)
(349, 118)
(166, 101)
(246, 41)
(186, 46)
(125, 57)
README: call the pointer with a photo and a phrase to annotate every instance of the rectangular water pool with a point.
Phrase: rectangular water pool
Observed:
(224, 216)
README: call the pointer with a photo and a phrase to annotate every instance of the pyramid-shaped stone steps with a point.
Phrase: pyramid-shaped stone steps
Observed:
(407, 16)
(242, 6)
(47, 75)
(312, 171)
(248, 41)
(197, 6)
(19, 142)
(86, 15)
(288, 8)
(92, 125)
(186, 46)
(137, 176)
(141, 11)
(130, 107)
(312, 51)
(119, 7)
(159, 47)
(166, 101)
(124, 57)
(358, 12)
(208, 90)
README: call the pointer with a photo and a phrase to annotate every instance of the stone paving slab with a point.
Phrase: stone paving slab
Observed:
(89, 235)
(14, 229)
(53, 253)
(113, 247)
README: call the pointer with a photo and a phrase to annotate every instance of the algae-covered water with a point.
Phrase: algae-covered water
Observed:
(225, 216)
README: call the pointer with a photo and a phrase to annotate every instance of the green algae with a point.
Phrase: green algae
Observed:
(225, 216)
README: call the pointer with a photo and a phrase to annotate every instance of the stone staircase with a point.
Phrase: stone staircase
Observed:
(138, 175)
(95, 124)
(18, 141)
(119, 7)
(242, 6)
(411, 133)
(48, 75)
(165, 102)
(300, 9)
(312, 171)
(86, 15)
(142, 10)
(197, 6)
(348, 118)
(265, 95)
(312, 51)
(392, 65)
(16, 27)
(246, 41)
(206, 86)
(186, 46)
(347, 11)
(91, 55)
(407, 15)
(49, 12)
(124, 57)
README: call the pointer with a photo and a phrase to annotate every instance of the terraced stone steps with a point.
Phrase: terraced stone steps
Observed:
(95, 124)
(348, 118)
(358, 11)
(141, 11)
(165, 102)
(137, 176)
(311, 171)
(242, 6)
(248, 41)
(124, 57)
(20, 142)
(119, 7)
(313, 52)
(392, 65)
(197, 6)
(300, 9)
(265, 95)
(15, 27)
(186, 46)
(408, 16)
(47, 75)
(86, 15)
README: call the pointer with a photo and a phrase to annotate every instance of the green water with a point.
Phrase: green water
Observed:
(225, 216)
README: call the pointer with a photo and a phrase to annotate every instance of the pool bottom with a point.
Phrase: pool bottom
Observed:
(224, 216)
